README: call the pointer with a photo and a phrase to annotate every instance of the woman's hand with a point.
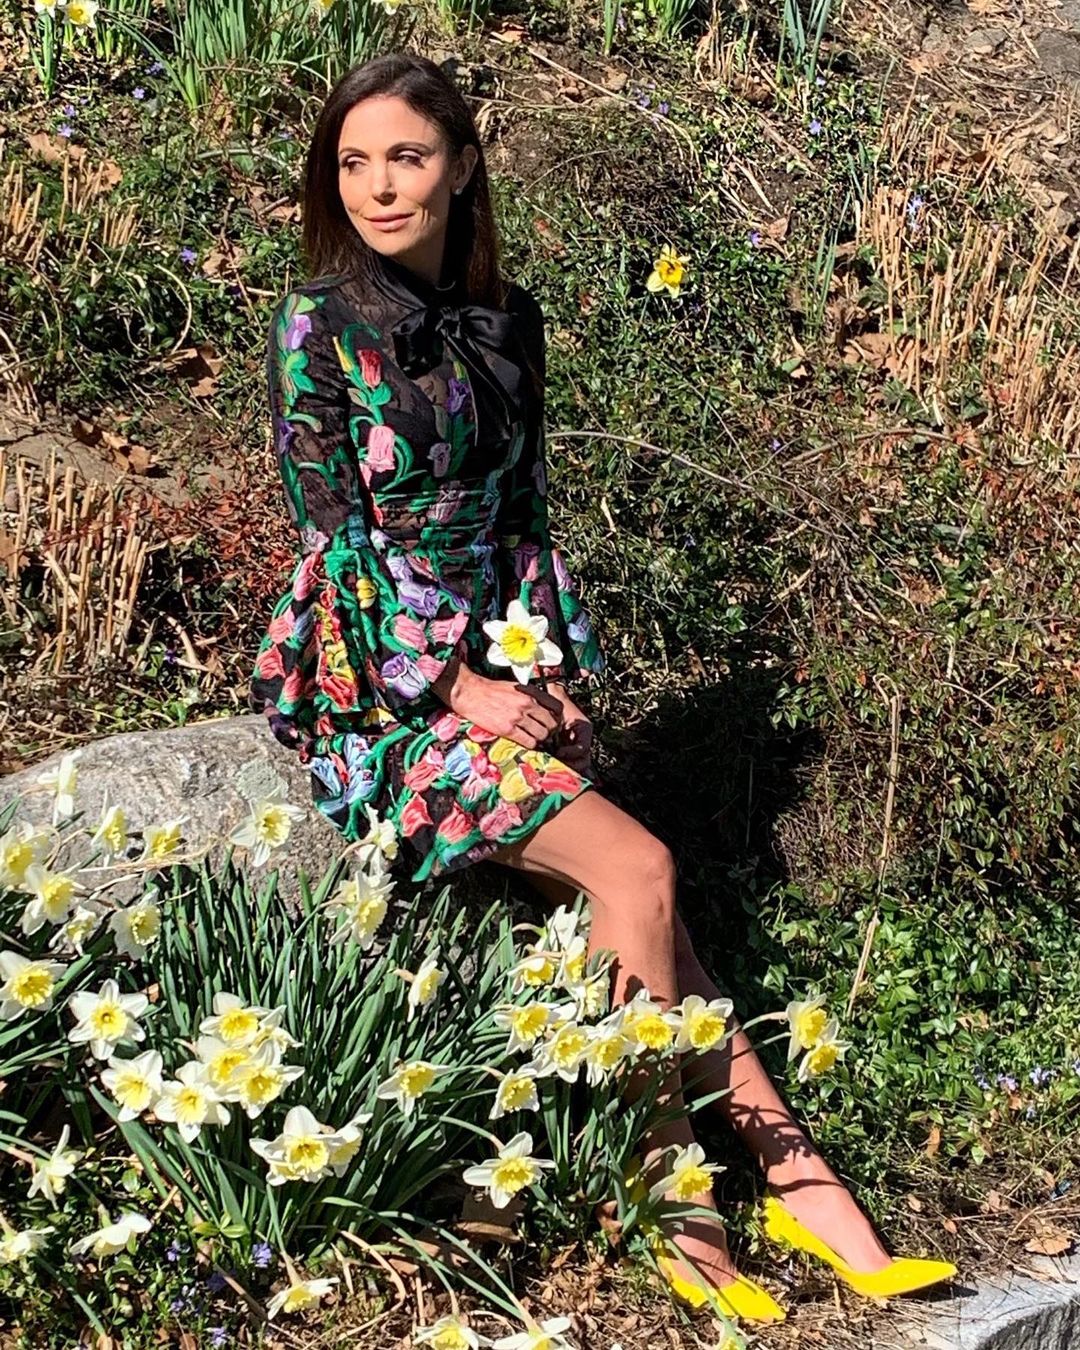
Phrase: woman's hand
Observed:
(572, 741)
(523, 715)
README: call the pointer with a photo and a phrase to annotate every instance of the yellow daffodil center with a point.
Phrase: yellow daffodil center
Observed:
(607, 1053)
(528, 1023)
(513, 1174)
(298, 1297)
(690, 1181)
(519, 644)
(416, 1079)
(31, 986)
(652, 1031)
(165, 841)
(108, 1021)
(56, 894)
(540, 970)
(515, 1092)
(261, 1085)
(190, 1105)
(567, 1045)
(450, 1338)
(809, 1025)
(115, 833)
(427, 984)
(239, 1024)
(16, 858)
(145, 925)
(78, 930)
(307, 1153)
(575, 968)
(78, 13)
(133, 1091)
(822, 1059)
(222, 1065)
(272, 824)
(705, 1029)
(670, 270)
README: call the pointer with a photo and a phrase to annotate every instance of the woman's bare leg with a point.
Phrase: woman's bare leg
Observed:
(751, 1104)
(629, 878)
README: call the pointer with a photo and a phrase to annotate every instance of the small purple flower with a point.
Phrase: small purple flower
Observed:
(1007, 1081)
(216, 1282)
(284, 135)
(174, 1249)
(218, 1336)
(774, 444)
(643, 100)
(815, 128)
(755, 237)
(819, 80)
(188, 255)
(1030, 1111)
(620, 22)
(138, 93)
(914, 206)
(981, 1080)
(155, 67)
(1041, 1077)
(261, 1255)
(63, 129)
(1076, 1066)
(177, 1305)
(663, 108)
(68, 109)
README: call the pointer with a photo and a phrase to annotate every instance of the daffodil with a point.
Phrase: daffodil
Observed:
(608, 1047)
(78, 928)
(592, 996)
(702, 1025)
(233, 1021)
(668, 271)
(260, 1079)
(20, 849)
(408, 1083)
(48, 7)
(191, 1101)
(53, 895)
(349, 1138)
(273, 1033)
(688, 1175)
(266, 828)
(535, 969)
(113, 1237)
(18, 1246)
(563, 1053)
(81, 13)
(160, 842)
(512, 1170)
(647, 1024)
(546, 1335)
(516, 1092)
(560, 930)
(297, 1296)
(360, 904)
(526, 1023)
(449, 1333)
(380, 841)
(61, 781)
(303, 1151)
(807, 1020)
(424, 985)
(135, 1083)
(822, 1056)
(520, 641)
(111, 835)
(107, 1019)
(28, 985)
(221, 1060)
(48, 1176)
(137, 926)
(321, 8)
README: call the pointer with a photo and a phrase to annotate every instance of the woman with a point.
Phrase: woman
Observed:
(406, 385)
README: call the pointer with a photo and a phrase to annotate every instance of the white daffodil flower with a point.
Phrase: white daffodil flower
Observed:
(516, 1092)
(360, 904)
(233, 1021)
(512, 1170)
(160, 842)
(351, 1137)
(28, 985)
(80, 926)
(299, 1295)
(449, 1333)
(807, 1019)
(408, 1083)
(48, 1176)
(303, 1151)
(191, 1101)
(22, 847)
(380, 841)
(135, 1083)
(107, 1019)
(520, 641)
(266, 828)
(648, 1025)
(608, 1047)
(137, 926)
(111, 835)
(536, 968)
(53, 895)
(546, 1335)
(260, 1079)
(18, 1246)
(526, 1023)
(592, 998)
(61, 780)
(688, 1175)
(113, 1237)
(702, 1025)
(560, 930)
(46, 7)
(272, 1032)
(822, 1056)
(572, 962)
(424, 985)
(563, 1053)
(221, 1060)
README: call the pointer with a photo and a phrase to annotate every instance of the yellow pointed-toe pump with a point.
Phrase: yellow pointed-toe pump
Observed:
(903, 1276)
(741, 1300)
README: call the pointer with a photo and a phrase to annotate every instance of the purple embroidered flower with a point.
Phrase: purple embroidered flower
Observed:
(423, 600)
(403, 676)
(457, 395)
(298, 329)
(439, 454)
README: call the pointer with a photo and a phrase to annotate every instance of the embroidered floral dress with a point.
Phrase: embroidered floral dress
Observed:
(409, 437)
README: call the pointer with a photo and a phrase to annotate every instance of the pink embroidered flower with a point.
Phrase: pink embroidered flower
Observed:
(560, 780)
(473, 788)
(445, 631)
(380, 447)
(308, 576)
(269, 663)
(447, 727)
(292, 691)
(282, 627)
(420, 776)
(414, 816)
(430, 667)
(455, 826)
(371, 367)
(504, 817)
(410, 631)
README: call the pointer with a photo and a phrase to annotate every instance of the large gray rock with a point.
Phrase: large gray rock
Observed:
(209, 771)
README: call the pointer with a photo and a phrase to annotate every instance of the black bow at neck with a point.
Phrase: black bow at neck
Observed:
(438, 316)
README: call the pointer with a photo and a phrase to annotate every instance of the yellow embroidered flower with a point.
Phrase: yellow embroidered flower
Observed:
(512, 785)
(668, 271)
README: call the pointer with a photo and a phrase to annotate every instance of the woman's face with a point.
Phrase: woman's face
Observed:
(396, 176)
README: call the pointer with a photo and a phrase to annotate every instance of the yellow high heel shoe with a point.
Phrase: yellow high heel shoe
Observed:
(904, 1275)
(741, 1300)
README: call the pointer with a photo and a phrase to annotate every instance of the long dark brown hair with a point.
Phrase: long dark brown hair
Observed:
(331, 242)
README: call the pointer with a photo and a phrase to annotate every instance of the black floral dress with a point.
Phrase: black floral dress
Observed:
(410, 439)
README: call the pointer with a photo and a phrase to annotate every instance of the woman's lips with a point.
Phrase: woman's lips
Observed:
(393, 224)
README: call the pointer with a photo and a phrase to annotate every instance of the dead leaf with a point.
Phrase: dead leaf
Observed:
(510, 32)
(933, 1144)
(54, 149)
(778, 229)
(1050, 1242)
(614, 79)
(950, 1225)
(914, 1203)
(199, 366)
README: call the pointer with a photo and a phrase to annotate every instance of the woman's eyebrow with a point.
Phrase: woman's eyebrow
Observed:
(401, 145)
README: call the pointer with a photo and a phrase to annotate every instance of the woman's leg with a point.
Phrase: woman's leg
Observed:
(790, 1162)
(629, 878)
